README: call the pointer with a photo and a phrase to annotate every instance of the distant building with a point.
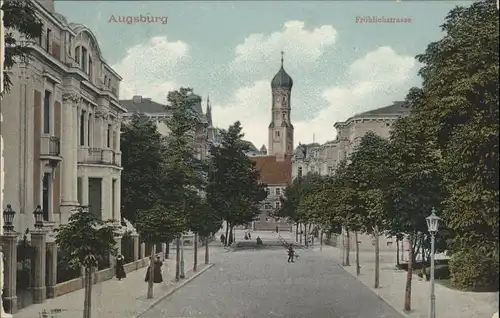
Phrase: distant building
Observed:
(203, 133)
(275, 165)
(324, 159)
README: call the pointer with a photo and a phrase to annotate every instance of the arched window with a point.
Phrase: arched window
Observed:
(299, 172)
(77, 55)
(105, 80)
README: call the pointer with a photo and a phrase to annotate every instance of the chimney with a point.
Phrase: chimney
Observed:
(47, 4)
(137, 99)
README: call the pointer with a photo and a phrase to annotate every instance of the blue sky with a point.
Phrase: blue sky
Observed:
(231, 51)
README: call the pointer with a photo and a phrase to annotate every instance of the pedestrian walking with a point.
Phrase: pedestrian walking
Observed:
(119, 268)
(291, 253)
(157, 271)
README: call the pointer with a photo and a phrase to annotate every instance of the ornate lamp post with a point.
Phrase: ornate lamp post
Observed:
(38, 214)
(433, 226)
(8, 219)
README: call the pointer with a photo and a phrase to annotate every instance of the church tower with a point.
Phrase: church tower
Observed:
(281, 128)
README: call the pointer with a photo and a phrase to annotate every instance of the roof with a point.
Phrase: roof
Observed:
(140, 104)
(282, 79)
(396, 108)
(272, 171)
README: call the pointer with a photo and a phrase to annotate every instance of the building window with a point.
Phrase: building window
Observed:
(278, 205)
(47, 39)
(108, 143)
(299, 172)
(90, 68)
(46, 195)
(277, 134)
(268, 191)
(89, 129)
(82, 128)
(40, 38)
(278, 191)
(113, 198)
(84, 60)
(268, 206)
(330, 171)
(105, 80)
(77, 55)
(46, 112)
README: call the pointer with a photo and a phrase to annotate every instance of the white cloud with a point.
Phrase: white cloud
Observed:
(373, 81)
(301, 46)
(148, 68)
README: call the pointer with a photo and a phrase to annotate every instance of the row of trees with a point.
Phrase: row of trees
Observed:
(168, 190)
(444, 155)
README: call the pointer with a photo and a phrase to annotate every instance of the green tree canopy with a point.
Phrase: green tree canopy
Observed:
(234, 190)
(86, 239)
(370, 174)
(459, 104)
(19, 17)
(143, 183)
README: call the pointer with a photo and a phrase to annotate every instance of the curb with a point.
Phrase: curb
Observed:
(174, 289)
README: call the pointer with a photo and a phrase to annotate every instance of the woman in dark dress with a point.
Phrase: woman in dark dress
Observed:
(120, 270)
(157, 277)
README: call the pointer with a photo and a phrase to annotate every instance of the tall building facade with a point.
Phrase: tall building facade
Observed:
(274, 165)
(61, 126)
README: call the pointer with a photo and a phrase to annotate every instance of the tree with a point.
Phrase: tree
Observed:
(370, 161)
(143, 177)
(19, 18)
(234, 190)
(184, 173)
(159, 224)
(86, 240)
(203, 221)
(416, 186)
(458, 102)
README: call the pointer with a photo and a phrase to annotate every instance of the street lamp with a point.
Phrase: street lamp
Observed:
(8, 219)
(432, 226)
(182, 274)
(38, 214)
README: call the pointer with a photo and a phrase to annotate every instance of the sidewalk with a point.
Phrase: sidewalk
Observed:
(121, 299)
(450, 303)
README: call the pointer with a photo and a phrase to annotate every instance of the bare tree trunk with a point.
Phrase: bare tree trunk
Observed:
(321, 240)
(306, 240)
(151, 272)
(296, 232)
(377, 257)
(195, 261)
(348, 248)
(409, 274)
(167, 251)
(301, 226)
(87, 293)
(177, 259)
(207, 256)
(227, 234)
(397, 252)
(230, 240)
(358, 268)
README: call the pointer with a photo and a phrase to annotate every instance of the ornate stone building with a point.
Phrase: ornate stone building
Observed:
(61, 126)
(275, 165)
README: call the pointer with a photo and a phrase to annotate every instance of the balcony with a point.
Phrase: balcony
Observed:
(50, 148)
(99, 156)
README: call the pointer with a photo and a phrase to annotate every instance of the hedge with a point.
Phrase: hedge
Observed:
(474, 270)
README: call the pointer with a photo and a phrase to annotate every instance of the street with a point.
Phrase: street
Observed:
(260, 283)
